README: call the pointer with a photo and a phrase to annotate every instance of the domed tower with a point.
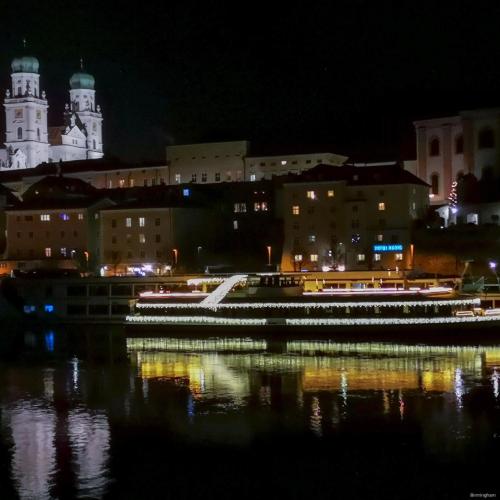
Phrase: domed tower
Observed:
(26, 115)
(82, 96)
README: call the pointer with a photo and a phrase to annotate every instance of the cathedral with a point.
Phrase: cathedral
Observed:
(29, 141)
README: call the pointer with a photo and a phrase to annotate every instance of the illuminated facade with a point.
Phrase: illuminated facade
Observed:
(234, 162)
(29, 141)
(450, 147)
(351, 218)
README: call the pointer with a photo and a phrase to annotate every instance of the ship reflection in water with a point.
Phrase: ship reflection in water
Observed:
(78, 425)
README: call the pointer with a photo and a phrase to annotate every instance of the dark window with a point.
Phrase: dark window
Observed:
(76, 291)
(113, 222)
(76, 309)
(157, 222)
(459, 144)
(486, 138)
(19, 133)
(435, 184)
(354, 208)
(120, 309)
(98, 290)
(121, 290)
(98, 309)
(157, 238)
(434, 147)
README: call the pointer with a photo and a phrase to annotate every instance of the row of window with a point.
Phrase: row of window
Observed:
(296, 208)
(258, 206)
(142, 238)
(122, 183)
(30, 234)
(48, 217)
(485, 140)
(141, 222)
(360, 257)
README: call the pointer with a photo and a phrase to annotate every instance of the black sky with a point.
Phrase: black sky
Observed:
(352, 75)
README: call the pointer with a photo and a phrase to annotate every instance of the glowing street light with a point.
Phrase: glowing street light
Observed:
(176, 255)
(269, 255)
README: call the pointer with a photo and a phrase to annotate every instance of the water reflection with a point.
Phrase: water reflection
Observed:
(67, 421)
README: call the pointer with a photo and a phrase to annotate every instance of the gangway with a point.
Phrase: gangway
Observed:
(222, 290)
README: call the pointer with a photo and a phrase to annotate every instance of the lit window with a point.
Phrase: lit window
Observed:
(260, 206)
(399, 256)
(121, 183)
(80, 216)
(177, 178)
(128, 222)
(376, 257)
(283, 162)
(311, 238)
(142, 238)
(142, 221)
(263, 206)
(296, 210)
(240, 207)
(235, 225)
(45, 217)
(110, 183)
(63, 251)
(252, 177)
(380, 237)
(48, 252)
(228, 176)
(311, 195)
(314, 257)
(64, 216)
(361, 257)
(96, 216)
(381, 206)
(186, 192)
(131, 183)
(297, 257)
(331, 193)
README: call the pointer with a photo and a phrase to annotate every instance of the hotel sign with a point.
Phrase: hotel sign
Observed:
(388, 248)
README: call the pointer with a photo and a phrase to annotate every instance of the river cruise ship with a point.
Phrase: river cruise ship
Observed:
(279, 301)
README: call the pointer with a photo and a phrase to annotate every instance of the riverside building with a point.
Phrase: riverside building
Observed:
(351, 218)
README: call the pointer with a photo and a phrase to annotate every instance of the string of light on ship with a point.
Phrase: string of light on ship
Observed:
(199, 320)
(312, 305)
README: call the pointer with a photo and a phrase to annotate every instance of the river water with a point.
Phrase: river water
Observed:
(94, 414)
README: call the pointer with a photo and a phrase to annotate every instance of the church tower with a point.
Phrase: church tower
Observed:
(26, 116)
(82, 98)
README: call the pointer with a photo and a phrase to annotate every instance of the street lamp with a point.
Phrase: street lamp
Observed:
(493, 267)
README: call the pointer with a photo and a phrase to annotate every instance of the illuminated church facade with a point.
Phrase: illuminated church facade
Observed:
(29, 140)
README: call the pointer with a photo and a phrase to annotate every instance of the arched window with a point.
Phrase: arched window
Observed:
(434, 147)
(486, 138)
(459, 144)
(19, 133)
(435, 183)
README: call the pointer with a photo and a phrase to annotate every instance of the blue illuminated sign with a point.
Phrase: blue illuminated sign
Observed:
(186, 192)
(49, 308)
(388, 248)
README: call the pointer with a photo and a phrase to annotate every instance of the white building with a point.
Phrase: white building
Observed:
(232, 162)
(28, 139)
(452, 146)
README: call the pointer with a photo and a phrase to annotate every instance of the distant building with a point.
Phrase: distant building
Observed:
(101, 174)
(351, 218)
(29, 141)
(55, 226)
(234, 162)
(449, 147)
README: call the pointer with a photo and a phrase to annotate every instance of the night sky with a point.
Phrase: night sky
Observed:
(350, 76)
